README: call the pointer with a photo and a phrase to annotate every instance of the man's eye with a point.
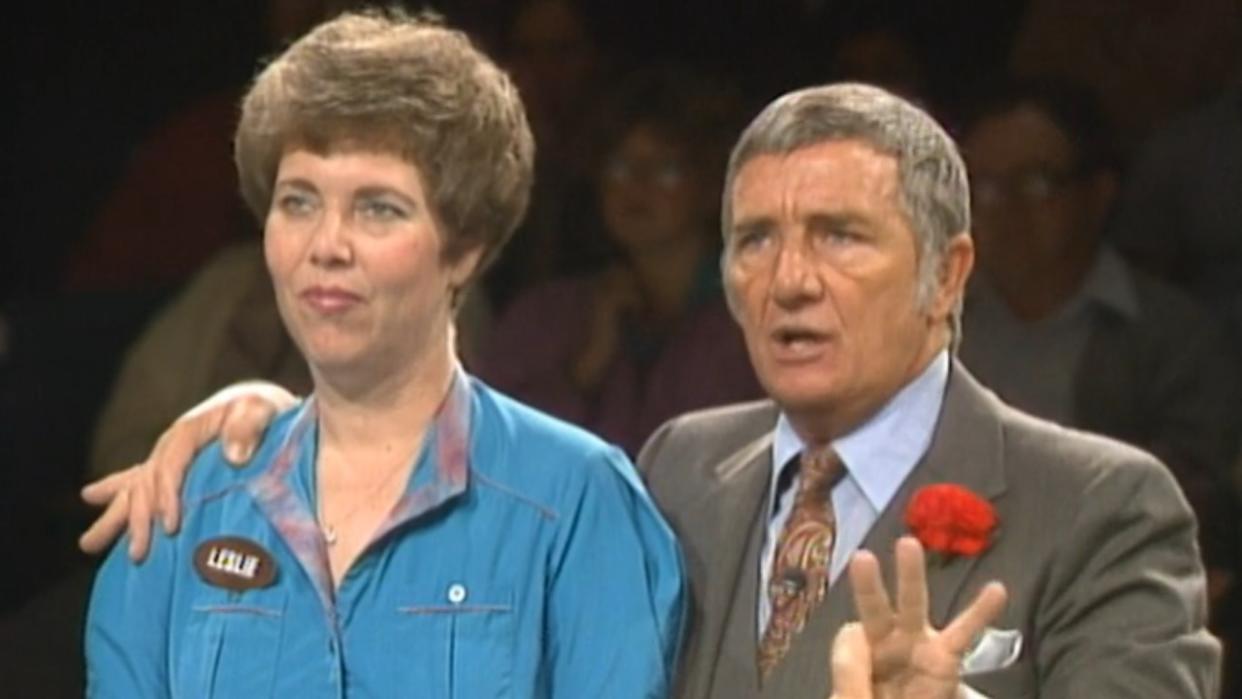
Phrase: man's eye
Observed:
(619, 170)
(839, 236)
(669, 175)
(750, 240)
(1036, 186)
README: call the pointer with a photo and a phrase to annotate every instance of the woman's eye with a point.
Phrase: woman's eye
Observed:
(295, 204)
(382, 211)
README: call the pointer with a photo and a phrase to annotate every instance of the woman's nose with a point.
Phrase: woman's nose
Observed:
(331, 242)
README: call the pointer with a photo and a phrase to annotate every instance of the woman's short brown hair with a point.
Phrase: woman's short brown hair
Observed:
(390, 82)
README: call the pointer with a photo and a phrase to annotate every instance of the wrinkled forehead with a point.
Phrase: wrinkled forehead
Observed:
(827, 174)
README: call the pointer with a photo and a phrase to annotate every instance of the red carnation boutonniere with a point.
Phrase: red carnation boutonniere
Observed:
(950, 520)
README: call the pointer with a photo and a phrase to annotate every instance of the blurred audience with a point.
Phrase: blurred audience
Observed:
(142, 237)
(882, 56)
(557, 64)
(1180, 211)
(221, 329)
(1148, 60)
(649, 336)
(1059, 325)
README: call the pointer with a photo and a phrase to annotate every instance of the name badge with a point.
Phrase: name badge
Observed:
(234, 563)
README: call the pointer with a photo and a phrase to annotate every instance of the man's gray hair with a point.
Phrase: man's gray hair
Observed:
(933, 191)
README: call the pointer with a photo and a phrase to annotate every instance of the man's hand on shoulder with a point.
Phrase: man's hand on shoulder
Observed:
(132, 498)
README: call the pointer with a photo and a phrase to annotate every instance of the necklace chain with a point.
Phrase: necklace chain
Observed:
(330, 530)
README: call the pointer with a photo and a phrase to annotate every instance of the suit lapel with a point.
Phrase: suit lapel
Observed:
(965, 450)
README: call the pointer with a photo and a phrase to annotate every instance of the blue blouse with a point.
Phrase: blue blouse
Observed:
(524, 560)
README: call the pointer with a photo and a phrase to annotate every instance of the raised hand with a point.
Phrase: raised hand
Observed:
(896, 653)
(615, 294)
(238, 415)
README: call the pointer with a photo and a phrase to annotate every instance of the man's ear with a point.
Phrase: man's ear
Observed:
(955, 266)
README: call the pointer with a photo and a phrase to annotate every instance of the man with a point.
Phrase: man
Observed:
(846, 221)
(1057, 323)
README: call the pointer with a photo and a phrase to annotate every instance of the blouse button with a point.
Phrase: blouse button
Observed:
(457, 593)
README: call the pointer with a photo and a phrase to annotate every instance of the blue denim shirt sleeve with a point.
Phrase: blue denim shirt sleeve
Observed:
(619, 582)
(127, 623)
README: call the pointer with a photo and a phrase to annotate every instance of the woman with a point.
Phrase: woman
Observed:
(406, 529)
(648, 337)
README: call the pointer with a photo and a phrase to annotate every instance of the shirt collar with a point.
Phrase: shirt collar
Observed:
(448, 440)
(1110, 285)
(881, 452)
(284, 491)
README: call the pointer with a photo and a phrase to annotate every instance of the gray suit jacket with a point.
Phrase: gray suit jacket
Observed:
(1096, 547)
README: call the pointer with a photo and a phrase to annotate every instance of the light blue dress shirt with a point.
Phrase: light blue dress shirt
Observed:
(878, 456)
(524, 560)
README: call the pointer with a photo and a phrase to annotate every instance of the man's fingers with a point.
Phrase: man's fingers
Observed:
(245, 420)
(166, 500)
(103, 491)
(961, 632)
(112, 491)
(172, 457)
(104, 530)
(870, 598)
(270, 392)
(851, 664)
(239, 423)
(139, 522)
(911, 585)
(133, 496)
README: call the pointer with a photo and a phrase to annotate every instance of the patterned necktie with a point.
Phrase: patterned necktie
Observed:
(799, 577)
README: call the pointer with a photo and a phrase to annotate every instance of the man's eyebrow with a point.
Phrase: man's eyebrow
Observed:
(753, 224)
(836, 219)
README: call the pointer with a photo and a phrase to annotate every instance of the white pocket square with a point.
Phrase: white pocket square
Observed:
(995, 649)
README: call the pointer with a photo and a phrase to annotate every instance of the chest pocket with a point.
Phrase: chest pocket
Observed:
(231, 645)
(466, 634)
(1017, 681)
